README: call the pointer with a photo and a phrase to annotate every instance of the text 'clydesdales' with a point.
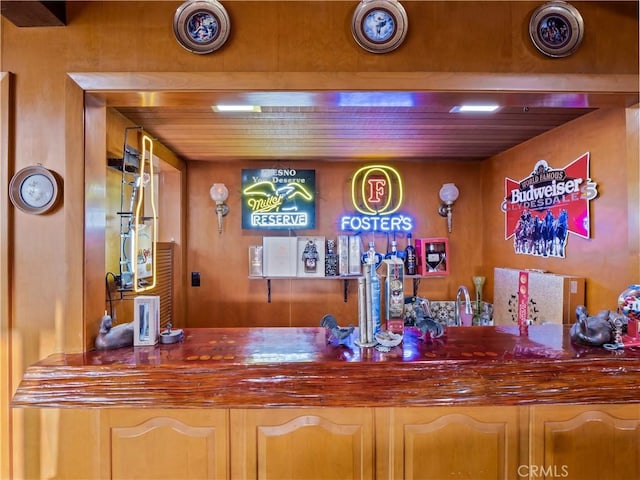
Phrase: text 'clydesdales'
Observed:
(278, 199)
(377, 195)
(543, 208)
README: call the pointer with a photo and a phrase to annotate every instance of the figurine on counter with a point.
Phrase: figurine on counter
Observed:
(595, 330)
(338, 333)
(418, 313)
(110, 337)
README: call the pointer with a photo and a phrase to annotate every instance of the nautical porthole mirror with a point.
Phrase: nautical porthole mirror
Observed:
(201, 26)
(379, 26)
(556, 29)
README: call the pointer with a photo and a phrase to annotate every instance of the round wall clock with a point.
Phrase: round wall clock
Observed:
(556, 29)
(379, 26)
(34, 189)
(201, 26)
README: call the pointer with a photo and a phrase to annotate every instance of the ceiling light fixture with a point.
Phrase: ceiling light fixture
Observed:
(474, 108)
(237, 108)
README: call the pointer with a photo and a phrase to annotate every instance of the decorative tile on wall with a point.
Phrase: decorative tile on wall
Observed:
(444, 312)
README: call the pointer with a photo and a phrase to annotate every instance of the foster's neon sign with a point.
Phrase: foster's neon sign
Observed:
(377, 195)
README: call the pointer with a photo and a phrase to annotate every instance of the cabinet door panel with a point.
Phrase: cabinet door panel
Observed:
(165, 444)
(586, 442)
(450, 442)
(301, 444)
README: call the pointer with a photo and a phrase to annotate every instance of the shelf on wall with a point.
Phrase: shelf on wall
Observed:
(345, 278)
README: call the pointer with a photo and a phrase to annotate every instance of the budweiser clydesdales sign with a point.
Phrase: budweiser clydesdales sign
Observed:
(542, 209)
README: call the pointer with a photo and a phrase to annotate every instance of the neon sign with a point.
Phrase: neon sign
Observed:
(275, 199)
(377, 194)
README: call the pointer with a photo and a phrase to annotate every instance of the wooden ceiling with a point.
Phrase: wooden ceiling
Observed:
(349, 125)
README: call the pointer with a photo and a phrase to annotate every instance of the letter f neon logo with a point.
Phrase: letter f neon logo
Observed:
(376, 189)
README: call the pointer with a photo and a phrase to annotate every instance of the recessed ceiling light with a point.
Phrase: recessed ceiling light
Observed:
(376, 99)
(474, 108)
(237, 108)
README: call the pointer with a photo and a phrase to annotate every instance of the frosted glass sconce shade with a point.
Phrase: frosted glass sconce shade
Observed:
(448, 195)
(219, 194)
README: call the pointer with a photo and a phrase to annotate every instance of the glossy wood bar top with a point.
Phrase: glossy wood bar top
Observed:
(297, 367)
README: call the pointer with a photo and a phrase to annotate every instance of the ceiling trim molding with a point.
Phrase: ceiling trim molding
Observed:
(327, 81)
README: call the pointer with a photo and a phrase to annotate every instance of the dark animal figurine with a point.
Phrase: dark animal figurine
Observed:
(429, 327)
(110, 337)
(595, 330)
(338, 333)
(418, 313)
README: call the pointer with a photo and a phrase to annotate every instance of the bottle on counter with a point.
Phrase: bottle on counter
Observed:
(410, 256)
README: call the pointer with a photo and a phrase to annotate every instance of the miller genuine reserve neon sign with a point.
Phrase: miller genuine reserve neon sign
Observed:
(377, 195)
(278, 199)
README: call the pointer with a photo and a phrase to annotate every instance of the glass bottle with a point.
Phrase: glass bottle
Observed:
(434, 258)
(394, 250)
(410, 256)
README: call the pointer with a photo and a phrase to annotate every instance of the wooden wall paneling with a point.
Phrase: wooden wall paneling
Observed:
(77, 172)
(95, 125)
(6, 381)
(172, 226)
(603, 258)
(269, 29)
(227, 297)
(633, 185)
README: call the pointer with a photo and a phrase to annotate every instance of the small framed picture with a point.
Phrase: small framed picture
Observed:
(379, 26)
(201, 26)
(556, 29)
(146, 320)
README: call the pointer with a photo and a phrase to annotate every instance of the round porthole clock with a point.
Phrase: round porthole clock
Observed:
(34, 189)
(556, 29)
(201, 26)
(379, 26)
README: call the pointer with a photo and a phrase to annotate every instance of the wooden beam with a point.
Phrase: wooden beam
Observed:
(34, 14)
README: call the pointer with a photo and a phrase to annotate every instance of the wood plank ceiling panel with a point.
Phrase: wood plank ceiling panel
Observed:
(329, 132)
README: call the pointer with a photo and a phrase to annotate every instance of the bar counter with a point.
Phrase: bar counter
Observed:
(304, 367)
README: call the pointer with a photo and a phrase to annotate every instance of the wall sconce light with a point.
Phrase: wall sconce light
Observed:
(448, 196)
(219, 193)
